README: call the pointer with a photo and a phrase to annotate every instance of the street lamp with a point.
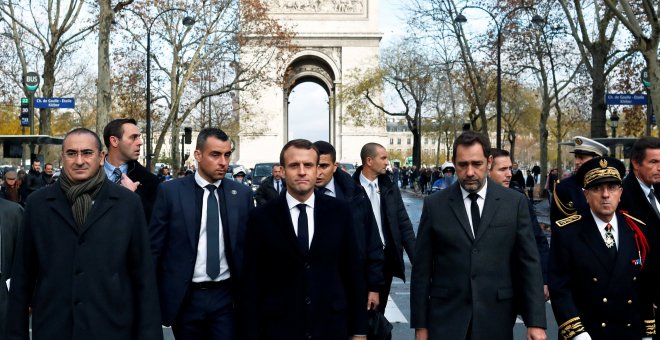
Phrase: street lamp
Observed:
(187, 21)
(614, 123)
(461, 19)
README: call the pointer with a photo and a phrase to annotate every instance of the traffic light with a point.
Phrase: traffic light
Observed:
(187, 135)
(25, 112)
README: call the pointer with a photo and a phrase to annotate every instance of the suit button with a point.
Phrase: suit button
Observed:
(595, 279)
(604, 300)
(308, 301)
(603, 325)
(630, 302)
(307, 266)
(628, 325)
(475, 251)
(634, 278)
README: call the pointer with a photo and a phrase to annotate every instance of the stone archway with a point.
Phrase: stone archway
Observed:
(310, 67)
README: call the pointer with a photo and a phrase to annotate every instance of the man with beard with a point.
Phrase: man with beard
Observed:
(33, 181)
(474, 246)
(47, 176)
(123, 140)
(82, 260)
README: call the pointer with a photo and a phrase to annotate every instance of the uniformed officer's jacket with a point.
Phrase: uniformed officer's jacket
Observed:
(567, 199)
(592, 292)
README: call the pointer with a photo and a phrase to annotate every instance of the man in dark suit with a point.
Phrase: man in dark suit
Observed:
(123, 141)
(567, 196)
(598, 263)
(302, 276)
(11, 217)
(197, 232)
(271, 187)
(474, 246)
(640, 198)
(339, 184)
(82, 260)
(394, 227)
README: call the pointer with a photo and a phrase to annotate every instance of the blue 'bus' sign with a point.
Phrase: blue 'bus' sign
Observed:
(54, 103)
(625, 99)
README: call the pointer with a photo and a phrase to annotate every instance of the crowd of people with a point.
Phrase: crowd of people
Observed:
(113, 251)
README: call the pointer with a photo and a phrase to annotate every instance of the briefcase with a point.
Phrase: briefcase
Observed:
(379, 327)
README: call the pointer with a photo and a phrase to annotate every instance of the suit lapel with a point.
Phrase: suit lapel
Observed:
(591, 236)
(103, 202)
(60, 205)
(231, 203)
(491, 205)
(458, 207)
(285, 224)
(626, 248)
(189, 207)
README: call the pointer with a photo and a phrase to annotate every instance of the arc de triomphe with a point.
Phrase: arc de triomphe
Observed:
(334, 38)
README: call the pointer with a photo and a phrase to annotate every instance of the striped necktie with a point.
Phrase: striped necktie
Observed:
(117, 174)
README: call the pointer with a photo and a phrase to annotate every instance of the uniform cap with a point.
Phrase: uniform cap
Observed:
(237, 170)
(446, 165)
(600, 170)
(586, 146)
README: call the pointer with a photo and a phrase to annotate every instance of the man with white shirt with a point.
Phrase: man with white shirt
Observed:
(302, 278)
(476, 263)
(394, 225)
(197, 231)
(598, 263)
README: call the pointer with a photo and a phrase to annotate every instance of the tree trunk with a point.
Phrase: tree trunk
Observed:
(598, 106)
(512, 142)
(651, 57)
(176, 145)
(103, 85)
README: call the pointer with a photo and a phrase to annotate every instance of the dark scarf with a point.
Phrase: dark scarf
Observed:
(80, 195)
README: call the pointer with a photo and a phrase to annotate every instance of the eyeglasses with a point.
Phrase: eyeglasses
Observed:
(10, 179)
(609, 187)
(73, 154)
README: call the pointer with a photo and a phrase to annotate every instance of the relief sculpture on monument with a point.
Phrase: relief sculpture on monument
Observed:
(317, 6)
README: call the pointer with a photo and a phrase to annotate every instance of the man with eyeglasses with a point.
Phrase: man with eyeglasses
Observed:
(82, 260)
(598, 263)
(123, 140)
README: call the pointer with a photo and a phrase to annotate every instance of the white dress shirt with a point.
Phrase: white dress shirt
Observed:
(480, 202)
(366, 184)
(293, 209)
(330, 187)
(600, 224)
(199, 274)
(646, 189)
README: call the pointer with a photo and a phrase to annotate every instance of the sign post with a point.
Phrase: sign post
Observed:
(31, 83)
(650, 118)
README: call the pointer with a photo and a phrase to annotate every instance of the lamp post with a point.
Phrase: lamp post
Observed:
(187, 21)
(614, 123)
(461, 19)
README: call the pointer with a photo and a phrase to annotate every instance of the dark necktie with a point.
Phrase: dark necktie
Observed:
(651, 197)
(474, 211)
(278, 186)
(117, 173)
(325, 191)
(609, 241)
(303, 232)
(212, 234)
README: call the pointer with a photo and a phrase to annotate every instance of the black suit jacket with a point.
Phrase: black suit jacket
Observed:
(397, 228)
(637, 204)
(568, 199)
(286, 294)
(174, 231)
(591, 290)
(98, 284)
(460, 280)
(267, 192)
(148, 186)
(11, 217)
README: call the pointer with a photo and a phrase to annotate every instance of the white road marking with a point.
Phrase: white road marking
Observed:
(393, 313)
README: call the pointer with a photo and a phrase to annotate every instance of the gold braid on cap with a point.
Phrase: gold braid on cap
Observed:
(597, 173)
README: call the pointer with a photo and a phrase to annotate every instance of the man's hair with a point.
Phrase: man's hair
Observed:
(116, 129)
(47, 164)
(326, 148)
(210, 132)
(299, 144)
(369, 150)
(275, 165)
(84, 131)
(495, 152)
(469, 138)
(638, 152)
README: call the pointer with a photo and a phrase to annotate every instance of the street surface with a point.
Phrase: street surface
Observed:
(399, 312)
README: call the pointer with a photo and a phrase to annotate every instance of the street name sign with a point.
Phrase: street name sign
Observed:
(625, 99)
(54, 103)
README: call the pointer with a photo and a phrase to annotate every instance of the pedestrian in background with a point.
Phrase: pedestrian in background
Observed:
(271, 187)
(11, 189)
(33, 180)
(82, 261)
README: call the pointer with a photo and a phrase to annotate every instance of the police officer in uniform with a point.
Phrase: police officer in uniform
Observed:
(568, 198)
(597, 263)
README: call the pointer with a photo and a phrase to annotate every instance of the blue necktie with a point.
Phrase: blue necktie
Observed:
(212, 234)
(117, 173)
(303, 232)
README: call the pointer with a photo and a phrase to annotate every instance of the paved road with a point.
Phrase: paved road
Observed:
(400, 293)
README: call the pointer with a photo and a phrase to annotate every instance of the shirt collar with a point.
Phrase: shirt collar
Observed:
(203, 183)
(331, 186)
(644, 187)
(109, 168)
(365, 182)
(481, 192)
(601, 224)
(292, 202)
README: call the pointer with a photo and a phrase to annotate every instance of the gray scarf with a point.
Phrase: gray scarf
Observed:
(80, 195)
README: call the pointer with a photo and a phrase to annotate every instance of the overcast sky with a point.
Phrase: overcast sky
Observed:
(308, 108)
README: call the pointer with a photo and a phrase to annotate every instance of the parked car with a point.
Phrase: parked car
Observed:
(260, 171)
(348, 167)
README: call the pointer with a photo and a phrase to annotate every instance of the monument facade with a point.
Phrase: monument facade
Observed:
(335, 39)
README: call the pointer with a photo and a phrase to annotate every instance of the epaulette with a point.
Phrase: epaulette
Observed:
(634, 218)
(571, 328)
(649, 327)
(568, 220)
(566, 209)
